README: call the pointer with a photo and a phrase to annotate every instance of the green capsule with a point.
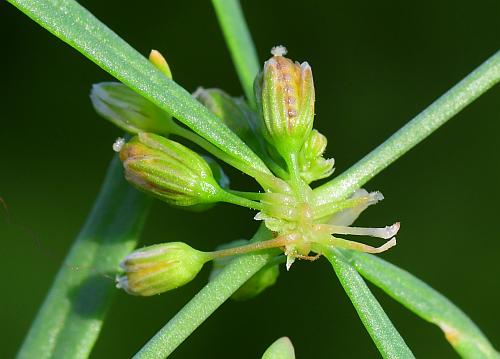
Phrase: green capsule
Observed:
(169, 171)
(285, 94)
(159, 268)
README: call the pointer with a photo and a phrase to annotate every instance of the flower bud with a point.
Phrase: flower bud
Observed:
(261, 280)
(168, 170)
(315, 146)
(311, 163)
(158, 268)
(234, 112)
(280, 349)
(128, 110)
(285, 92)
(157, 59)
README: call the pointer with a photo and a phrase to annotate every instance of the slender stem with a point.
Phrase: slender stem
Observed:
(444, 108)
(240, 44)
(240, 201)
(256, 196)
(203, 304)
(252, 247)
(72, 314)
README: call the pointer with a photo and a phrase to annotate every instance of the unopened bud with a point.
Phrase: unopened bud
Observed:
(261, 280)
(168, 170)
(280, 349)
(234, 112)
(128, 110)
(285, 92)
(158, 268)
(311, 162)
(157, 59)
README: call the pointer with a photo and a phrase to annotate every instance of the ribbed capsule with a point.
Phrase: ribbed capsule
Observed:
(168, 170)
(285, 92)
(158, 268)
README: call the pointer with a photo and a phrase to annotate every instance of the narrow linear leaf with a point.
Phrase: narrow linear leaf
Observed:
(203, 304)
(385, 336)
(427, 303)
(444, 108)
(240, 43)
(72, 314)
(76, 26)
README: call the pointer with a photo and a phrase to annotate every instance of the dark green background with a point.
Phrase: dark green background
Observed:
(376, 65)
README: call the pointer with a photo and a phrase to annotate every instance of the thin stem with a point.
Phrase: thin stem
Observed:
(240, 44)
(203, 304)
(256, 196)
(252, 247)
(240, 201)
(453, 101)
(72, 314)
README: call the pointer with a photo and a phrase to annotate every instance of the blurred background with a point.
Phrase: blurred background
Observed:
(376, 65)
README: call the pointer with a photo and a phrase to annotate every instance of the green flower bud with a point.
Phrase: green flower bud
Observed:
(234, 112)
(128, 110)
(285, 92)
(311, 163)
(280, 349)
(157, 59)
(168, 170)
(156, 269)
(261, 280)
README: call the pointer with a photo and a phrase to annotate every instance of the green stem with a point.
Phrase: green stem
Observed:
(203, 304)
(240, 201)
(453, 101)
(383, 333)
(427, 303)
(72, 314)
(256, 196)
(240, 44)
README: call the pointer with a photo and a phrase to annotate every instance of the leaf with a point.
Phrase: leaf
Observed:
(444, 108)
(427, 303)
(72, 314)
(385, 336)
(76, 26)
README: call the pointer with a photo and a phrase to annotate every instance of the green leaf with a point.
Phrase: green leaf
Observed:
(427, 303)
(72, 314)
(73, 24)
(240, 43)
(444, 108)
(385, 336)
